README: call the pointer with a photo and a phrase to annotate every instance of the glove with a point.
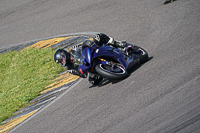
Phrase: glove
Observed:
(71, 71)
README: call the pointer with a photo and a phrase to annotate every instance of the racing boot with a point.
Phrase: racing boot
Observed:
(127, 48)
(120, 44)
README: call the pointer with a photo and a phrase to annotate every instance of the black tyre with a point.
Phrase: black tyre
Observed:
(142, 54)
(117, 72)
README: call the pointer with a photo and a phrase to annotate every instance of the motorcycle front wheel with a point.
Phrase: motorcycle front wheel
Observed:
(112, 72)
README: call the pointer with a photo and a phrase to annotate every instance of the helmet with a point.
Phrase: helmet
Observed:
(62, 57)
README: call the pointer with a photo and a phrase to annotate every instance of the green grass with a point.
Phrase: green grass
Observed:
(23, 75)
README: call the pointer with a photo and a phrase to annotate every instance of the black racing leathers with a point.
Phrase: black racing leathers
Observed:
(99, 39)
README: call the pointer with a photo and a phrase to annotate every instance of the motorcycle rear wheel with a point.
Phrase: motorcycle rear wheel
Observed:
(141, 54)
(116, 72)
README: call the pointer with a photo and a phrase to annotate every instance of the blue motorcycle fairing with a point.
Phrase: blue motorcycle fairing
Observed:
(87, 52)
(107, 51)
(83, 69)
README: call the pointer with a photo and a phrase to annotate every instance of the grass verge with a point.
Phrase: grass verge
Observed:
(23, 75)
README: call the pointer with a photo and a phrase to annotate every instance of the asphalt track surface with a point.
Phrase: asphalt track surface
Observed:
(163, 95)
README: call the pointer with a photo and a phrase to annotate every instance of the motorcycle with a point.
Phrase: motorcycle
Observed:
(110, 62)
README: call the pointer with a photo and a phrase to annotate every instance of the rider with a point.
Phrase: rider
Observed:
(66, 59)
